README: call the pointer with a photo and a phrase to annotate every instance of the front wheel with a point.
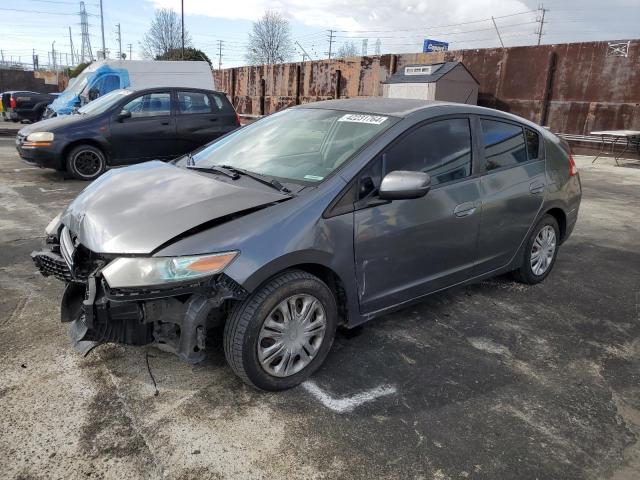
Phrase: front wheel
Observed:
(281, 334)
(540, 253)
(86, 162)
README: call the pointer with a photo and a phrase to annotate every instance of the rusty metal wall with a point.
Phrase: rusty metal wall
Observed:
(572, 88)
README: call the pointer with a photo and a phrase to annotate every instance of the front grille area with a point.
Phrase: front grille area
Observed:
(52, 264)
(68, 260)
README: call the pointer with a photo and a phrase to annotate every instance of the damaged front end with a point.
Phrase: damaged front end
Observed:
(174, 317)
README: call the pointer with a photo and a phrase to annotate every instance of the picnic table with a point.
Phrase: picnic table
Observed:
(630, 138)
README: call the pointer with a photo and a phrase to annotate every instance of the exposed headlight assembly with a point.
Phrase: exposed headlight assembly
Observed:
(126, 272)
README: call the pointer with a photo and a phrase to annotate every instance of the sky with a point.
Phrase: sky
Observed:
(400, 26)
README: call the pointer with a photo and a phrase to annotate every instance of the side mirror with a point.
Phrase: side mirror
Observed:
(124, 114)
(93, 93)
(404, 185)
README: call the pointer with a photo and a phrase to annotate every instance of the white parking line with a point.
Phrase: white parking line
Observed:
(347, 404)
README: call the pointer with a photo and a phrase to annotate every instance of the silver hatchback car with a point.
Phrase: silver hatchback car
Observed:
(321, 215)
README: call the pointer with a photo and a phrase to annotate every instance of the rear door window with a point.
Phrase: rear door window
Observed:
(441, 148)
(194, 102)
(155, 104)
(504, 144)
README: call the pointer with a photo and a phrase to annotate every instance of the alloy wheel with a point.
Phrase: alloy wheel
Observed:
(291, 335)
(87, 163)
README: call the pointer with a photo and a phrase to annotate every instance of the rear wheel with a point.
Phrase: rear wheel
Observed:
(540, 252)
(86, 162)
(282, 333)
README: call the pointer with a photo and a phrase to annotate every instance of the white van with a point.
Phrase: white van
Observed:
(106, 75)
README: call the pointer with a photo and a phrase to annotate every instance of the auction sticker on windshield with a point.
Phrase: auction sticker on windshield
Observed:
(361, 118)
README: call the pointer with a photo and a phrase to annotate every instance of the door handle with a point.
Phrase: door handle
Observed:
(465, 209)
(536, 187)
(213, 119)
(164, 123)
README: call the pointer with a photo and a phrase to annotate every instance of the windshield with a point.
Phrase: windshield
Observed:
(104, 103)
(297, 144)
(78, 85)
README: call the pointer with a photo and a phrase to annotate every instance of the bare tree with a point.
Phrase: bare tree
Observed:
(270, 41)
(164, 35)
(347, 49)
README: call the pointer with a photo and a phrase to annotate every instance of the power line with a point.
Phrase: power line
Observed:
(44, 13)
(433, 27)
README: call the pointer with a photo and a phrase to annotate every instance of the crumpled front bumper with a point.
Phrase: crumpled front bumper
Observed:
(174, 319)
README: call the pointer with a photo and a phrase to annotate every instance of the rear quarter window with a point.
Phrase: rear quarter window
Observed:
(504, 144)
(221, 103)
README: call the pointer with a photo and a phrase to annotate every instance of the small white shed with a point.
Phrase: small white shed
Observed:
(448, 81)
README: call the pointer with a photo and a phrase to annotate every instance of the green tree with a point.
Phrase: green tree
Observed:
(77, 70)
(190, 54)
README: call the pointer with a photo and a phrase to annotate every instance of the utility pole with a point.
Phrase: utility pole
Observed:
(33, 59)
(365, 43)
(498, 31)
(220, 42)
(540, 19)
(330, 42)
(378, 47)
(53, 53)
(71, 45)
(130, 55)
(119, 42)
(182, 4)
(104, 49)
(304, 52)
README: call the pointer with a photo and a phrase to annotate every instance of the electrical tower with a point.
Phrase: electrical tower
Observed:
(86, 55)
(365, 43)
(378, 46)
(540, 20)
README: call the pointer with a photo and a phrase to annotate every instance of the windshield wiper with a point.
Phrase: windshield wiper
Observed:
(215, 169)
(273, 183)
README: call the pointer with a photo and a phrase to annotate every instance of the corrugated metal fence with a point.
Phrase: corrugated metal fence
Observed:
(573, 88)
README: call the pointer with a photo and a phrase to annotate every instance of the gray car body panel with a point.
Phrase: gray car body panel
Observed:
(298, 233)
(138, 209)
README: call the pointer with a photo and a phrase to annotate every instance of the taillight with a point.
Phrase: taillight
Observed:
(12, 102)
(573, 169)
(238, 118)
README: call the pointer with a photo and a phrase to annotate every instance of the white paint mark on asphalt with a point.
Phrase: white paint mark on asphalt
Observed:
(489, 346)
(44, 190)
(17, 170)
(347, 404)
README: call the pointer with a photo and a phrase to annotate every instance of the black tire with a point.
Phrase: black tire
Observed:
(86, 162)
(525, 273)
(242, 329)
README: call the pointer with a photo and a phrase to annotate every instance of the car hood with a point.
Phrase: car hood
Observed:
(137, 209)
(51, 124)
